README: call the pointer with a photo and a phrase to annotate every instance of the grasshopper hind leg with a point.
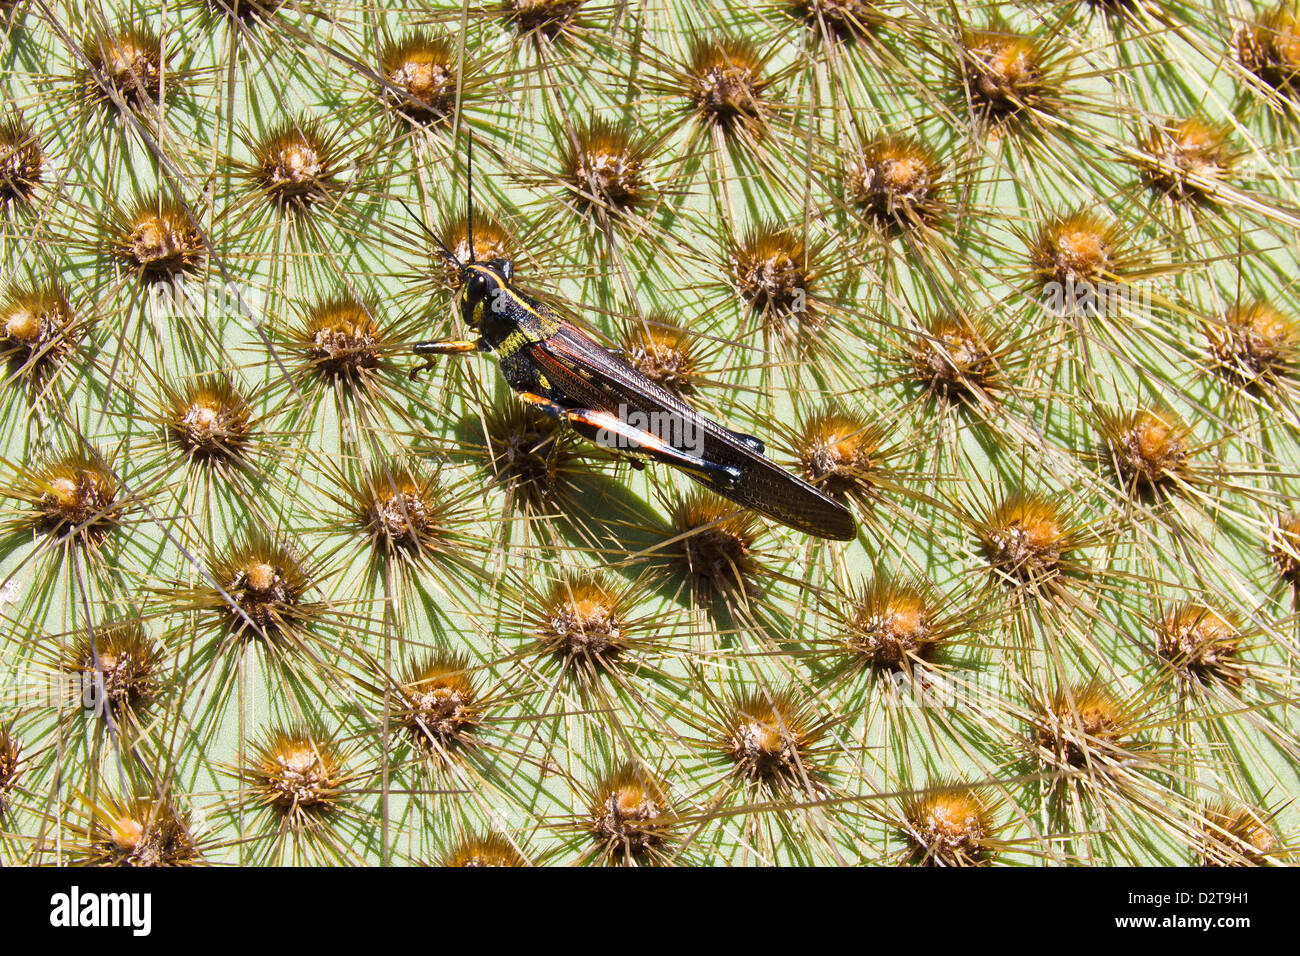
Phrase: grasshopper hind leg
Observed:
(750, 442)
(610, 431)
(720, 477)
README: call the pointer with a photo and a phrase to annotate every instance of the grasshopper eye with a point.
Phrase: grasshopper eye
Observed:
(474, 288)
(473, 294)
(468, 306)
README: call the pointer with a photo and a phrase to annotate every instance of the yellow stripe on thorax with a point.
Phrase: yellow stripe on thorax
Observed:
(547, 323)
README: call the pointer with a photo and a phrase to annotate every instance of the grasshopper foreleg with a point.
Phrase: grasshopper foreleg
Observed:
(432, 349)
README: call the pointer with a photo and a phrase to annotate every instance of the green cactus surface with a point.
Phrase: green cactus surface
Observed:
(1015, 283)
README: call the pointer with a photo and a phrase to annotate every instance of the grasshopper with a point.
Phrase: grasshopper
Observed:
(556, 367)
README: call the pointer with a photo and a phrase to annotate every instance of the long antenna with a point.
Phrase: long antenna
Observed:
(469, 191)
(442, 246)
(469, 211)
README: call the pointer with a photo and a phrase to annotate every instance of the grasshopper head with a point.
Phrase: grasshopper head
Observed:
(481, 287)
